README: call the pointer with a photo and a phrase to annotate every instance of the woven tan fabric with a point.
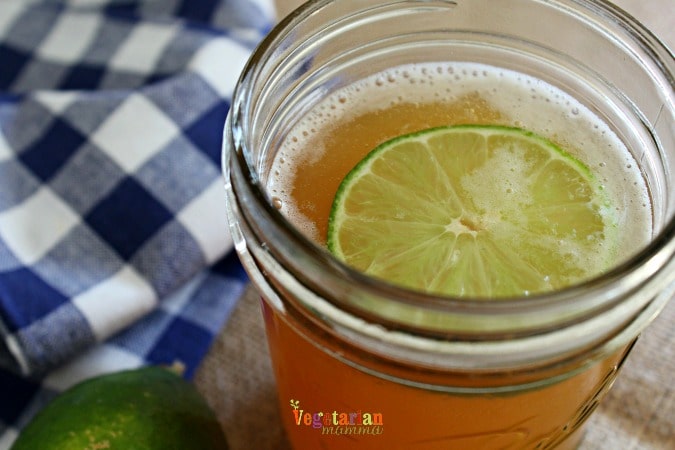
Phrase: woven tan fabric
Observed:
(639, 413)
(236, 379)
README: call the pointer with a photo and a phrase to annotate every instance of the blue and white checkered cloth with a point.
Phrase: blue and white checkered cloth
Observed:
(114, 248)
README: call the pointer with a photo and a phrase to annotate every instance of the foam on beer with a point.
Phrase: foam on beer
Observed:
(523, 101)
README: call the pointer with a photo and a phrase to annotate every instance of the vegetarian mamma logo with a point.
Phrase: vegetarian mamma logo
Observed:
(339, 423)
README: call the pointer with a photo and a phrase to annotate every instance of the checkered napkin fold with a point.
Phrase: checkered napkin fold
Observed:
(111, 199)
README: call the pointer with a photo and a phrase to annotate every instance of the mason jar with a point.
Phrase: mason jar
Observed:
(361, 363)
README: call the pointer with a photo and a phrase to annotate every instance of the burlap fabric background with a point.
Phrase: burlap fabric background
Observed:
(639, 413)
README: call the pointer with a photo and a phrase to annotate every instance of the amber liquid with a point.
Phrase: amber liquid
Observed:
(548, 416)
(345, 143)
(415, 418)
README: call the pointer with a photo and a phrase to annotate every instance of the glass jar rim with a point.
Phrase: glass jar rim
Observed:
(281, 238)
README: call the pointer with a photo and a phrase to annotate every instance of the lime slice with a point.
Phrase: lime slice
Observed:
(479, 211)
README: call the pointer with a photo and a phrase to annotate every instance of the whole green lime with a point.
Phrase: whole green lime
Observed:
(150, 408)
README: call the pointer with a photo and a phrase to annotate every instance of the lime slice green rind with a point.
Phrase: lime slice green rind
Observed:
(472, 210)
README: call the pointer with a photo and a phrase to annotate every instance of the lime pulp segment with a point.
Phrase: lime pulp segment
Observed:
(472, 210)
